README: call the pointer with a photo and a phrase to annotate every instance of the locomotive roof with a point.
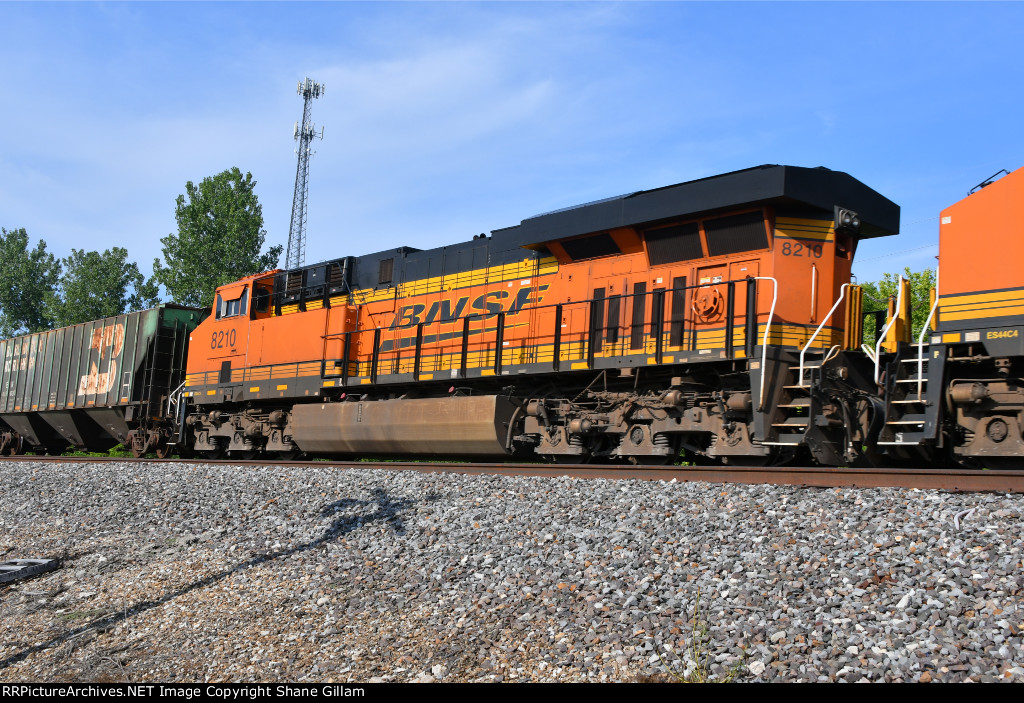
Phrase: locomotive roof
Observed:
(804, 188)
(793, 190)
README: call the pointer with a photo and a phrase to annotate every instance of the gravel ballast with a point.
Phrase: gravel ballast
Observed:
(175, 572)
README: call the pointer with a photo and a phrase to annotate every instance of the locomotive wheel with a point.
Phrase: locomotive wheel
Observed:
(243, 455)
(163, 451)
(286, 456)
(211, 453)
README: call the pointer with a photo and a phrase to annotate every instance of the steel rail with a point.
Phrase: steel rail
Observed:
(958, 480)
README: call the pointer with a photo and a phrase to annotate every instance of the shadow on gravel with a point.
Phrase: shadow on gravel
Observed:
(388, 511)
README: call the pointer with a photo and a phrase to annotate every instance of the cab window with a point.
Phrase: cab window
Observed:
(233, 307)
(260, 301)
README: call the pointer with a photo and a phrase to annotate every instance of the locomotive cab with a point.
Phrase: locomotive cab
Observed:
(219, 346)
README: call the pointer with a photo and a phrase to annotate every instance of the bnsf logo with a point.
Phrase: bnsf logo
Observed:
(452, 309)
(1002, 334)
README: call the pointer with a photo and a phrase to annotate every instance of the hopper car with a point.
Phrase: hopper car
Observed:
(95, 385)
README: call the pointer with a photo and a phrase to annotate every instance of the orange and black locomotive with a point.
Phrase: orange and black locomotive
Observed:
(626, 329)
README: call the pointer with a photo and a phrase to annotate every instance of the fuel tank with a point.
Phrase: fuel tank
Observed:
(454, 426)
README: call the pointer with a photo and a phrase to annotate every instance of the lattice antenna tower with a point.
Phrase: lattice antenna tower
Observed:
(304, 135)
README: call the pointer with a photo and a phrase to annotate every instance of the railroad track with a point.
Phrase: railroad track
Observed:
(960, 480)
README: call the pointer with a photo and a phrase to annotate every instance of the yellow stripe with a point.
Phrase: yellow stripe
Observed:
(801, 222)
(983, 314)
(981, 305)
(1005, 295)
(519, 270)
(477, 277)
(804, 234)
(796, 228)
(967, 307)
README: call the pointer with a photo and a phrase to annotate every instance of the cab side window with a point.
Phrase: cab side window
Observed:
(235, 307)
(261, 300)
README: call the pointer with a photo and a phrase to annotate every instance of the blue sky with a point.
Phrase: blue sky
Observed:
(444, 120)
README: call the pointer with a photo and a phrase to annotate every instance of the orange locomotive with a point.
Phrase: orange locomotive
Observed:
(959, 394)
(695, 316)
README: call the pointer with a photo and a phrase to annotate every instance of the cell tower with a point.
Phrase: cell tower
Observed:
(304, 135)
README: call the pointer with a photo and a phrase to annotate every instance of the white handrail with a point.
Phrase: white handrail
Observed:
(174, 398)
(814, 291)
(764, 339)
(869, 352)
(920, 339)
(842, 294)
(885, 330)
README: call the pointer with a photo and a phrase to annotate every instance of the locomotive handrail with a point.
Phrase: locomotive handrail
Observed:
(814, 292)
(920, 339)
(557, 306)
(554, 305)
(764, 340)
(590, 344)
(842, 294)
(175, 397)
(885, 330)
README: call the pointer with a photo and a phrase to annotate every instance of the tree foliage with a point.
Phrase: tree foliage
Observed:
(220, 235)
(96, 285)
(876, 297)
(27, 279)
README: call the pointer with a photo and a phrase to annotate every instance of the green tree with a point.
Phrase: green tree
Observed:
(876, 297)
(27, 278)
(220, 235)
(96, 285)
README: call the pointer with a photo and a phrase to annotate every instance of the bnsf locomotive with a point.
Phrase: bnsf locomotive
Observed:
(626, 329)
(714, 319)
